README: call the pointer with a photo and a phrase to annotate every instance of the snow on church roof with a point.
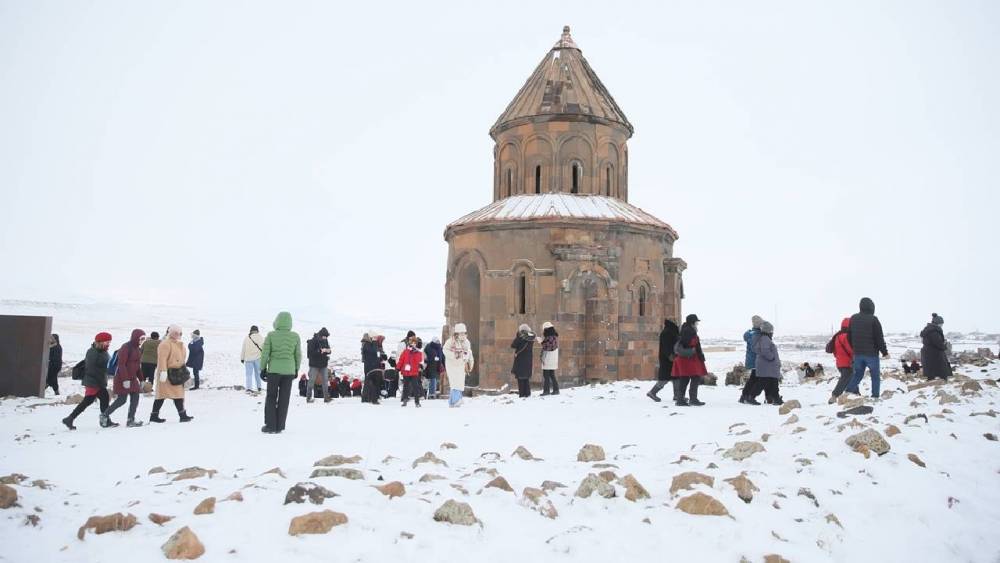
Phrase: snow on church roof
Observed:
(556, 206)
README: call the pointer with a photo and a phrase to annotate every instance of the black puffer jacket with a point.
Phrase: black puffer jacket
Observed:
(523, 345)
(865, 332)
(668, 338)
(318, 359)
(934, 353)
(95, 372)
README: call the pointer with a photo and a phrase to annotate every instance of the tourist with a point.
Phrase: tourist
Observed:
(840, 347)
(371, 359)
(356, 387)
(411, 338)
(280, 360)
(409, 367)
(458, 363)
(303, 385)
(55, 363)
(523, 346)
(318, 353)
(331, 382)
(807, 370)
(95, 378)
(934, 353)
(668, 339)
(751, 360)
(344, 387)
(768, 365)
(689, 364)
(434, 359)
(196, 357)
(250, 358)
(549, 359)
(867, 341)
(128, 379)
(172, 375)
(148, 361)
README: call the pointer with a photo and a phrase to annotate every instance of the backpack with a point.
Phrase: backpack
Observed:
(831, 345)
(78, 370)
(113, 364)
(683, 351)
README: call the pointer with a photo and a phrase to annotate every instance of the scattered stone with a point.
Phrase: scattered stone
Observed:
(990, 413)
(791, 420)
(388, 459)
(316, 494)
(886, 395)
(73, 399)
(591, 484)
(804, 461)
(744, 487)
(449, 446)
(500, 483)
(775, 558)
(157, 469)
(274, 471)
(738, 376)
(608, 475)
(335, 460)
(206, 506)
(682, 459)
(891, 430)
(32, 520)
(711, 465)
(604, 466)
(924, 384)
(849, 402)
(459, 488)
(491, 456)
(316, 522)
(193, 473)
(832, 519)
(590, 452)
(916, 459)
(552, 485)
(913, 417)
(765, 437)
(991, 437)
(743, 450)
(863, 450)
(159, 519)
(524, 454)
(633, 488)
(428, 477)
(111, 523)
(710, 379)
(789, 406)
(688, 479)
(392, 490)
(429, 457)
(702, 505)
(184, 544)
(946, 398)
(803, 492)
(871, 439)
(856, 411)
(343, 472)
(8, 496)
(799, 430)
(535, 500)
(454, 512)
(13, 479)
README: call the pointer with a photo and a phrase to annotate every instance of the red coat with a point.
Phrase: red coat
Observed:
(693, 366)
(842, 346)
(409, 362)
(129, 360)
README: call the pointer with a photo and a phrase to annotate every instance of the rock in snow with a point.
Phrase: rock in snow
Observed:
(206, 506)
(8, 496)
(591, 484)
(454, 512)
(744, 487)
(344, 472)
(116, 522)
(743, 450)
(316, 522)
(499, 482)
(702, 505)
(429, 457)
(335, 460)
(690, 478)
(870, 439)
(523, 453)
(789, 406)
(590, 452)
(633, 488)
(392, 490)
(184, 544)
(159, 519)
(316, 494)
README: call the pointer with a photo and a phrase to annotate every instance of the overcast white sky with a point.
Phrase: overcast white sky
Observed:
(309, 154)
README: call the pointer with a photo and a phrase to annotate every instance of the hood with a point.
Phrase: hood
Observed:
(867, 306)
(283, 321)
(845, 324)
(671, 326)
(136, 335)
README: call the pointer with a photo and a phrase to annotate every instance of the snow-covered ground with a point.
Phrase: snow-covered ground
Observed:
(888, 507)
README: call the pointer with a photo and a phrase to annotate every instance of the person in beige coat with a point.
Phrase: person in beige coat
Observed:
(171, 354)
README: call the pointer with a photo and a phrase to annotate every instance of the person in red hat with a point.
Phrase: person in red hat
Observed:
(95, 378)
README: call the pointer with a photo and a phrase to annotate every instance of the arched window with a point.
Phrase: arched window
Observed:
(522, 294)
(576, 179)
(538, 179)
(510, 182)
(642, 301)
(607, 181)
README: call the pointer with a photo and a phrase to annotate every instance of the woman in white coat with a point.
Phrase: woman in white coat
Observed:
(458, 362)
(550, 359)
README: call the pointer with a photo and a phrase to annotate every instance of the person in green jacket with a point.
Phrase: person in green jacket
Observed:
(280, 358)
(147, 363)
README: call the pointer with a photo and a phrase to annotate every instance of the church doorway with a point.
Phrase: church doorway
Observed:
(469, 298)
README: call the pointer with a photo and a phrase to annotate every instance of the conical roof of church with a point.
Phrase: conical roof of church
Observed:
(563, 86)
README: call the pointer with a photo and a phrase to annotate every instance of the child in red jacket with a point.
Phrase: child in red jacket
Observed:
(410, 364)
(840, 347)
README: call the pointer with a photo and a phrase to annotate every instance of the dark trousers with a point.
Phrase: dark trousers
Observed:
(148, 371)
(681, 387)
(412, 388)
(158, 403)
(101, 396)
(197, 380)
(52, 379)
(659, 385)
(750, 385)
(549, 384)
(769, 385)
(279, 391)
(120, 400)
(843, 382)
(523, 387)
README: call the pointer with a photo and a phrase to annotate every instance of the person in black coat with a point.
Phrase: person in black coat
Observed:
(668, 338)
(934, 353)
(55, 363)
(523, 345)
(196, 357)
(867, 341)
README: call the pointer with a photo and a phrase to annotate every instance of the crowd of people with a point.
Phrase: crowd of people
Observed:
(165, 366)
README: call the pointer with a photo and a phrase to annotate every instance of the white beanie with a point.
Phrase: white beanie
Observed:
(460, 328)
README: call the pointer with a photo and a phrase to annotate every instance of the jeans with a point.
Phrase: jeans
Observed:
(120, 400)
(843, 382)
(279, 391)
(860, 363)
(549, 384)
(314, 374)
(252, 368)
(432, 387)
(454, 397)
(101, 396)
(197, 379)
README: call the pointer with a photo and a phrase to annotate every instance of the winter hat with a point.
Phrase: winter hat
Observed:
(436, 340)
(253, 329)
(154, 335)
(173, 329)
(196, 332)
(524, 328)
(692, 318)
(102, 337)
(546, 325)
(766, 327)
(756, 320)
(323, 332)
(937, 319)
(460, 329)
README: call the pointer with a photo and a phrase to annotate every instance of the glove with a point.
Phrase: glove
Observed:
(126, 384)
(163, 377)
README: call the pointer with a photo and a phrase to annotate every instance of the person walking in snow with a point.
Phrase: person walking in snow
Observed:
(128, 380)
(768, 366)
(411, 339)
(668, 339)
(434, 359)
(280, 359)
(171, 374)
(458, 363)
(523, 346)
(196, 357)
(549, 358)
(689, 364)
(934, 352)
(410, 363)
(867, 340)
(372, 358)
(95, 378)
(750, 361)
(840, 347)
(148, 361)
(55, 363)
(250, 358)
(318, 352)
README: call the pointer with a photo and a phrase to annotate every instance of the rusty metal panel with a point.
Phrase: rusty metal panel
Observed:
(24, 355)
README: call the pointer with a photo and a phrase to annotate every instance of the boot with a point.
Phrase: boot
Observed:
(68, 421)
(651, 395)
(682, 403)
(155, 417)
(751, 401)
(696, 403)
(103, 420)
(267, 430)
(132, 423)
(184, 416)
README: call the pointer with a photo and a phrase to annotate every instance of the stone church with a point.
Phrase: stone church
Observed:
(560, 242)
